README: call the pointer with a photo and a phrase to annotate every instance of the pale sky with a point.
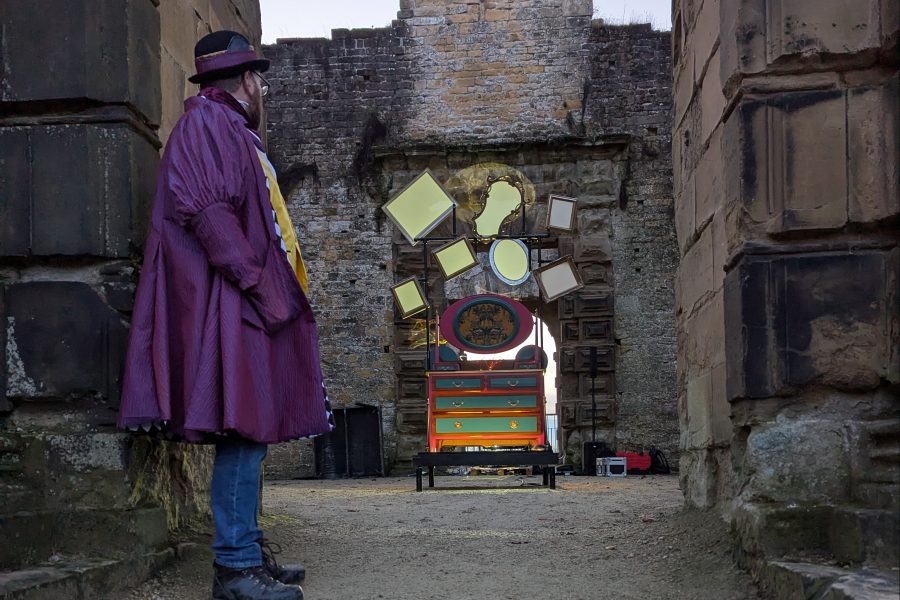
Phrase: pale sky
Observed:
(315, 18)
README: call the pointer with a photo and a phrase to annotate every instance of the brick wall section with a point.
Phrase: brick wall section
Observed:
(786, 182)
(497, 65)
(331, 102)
(448, 85)
(629, 90)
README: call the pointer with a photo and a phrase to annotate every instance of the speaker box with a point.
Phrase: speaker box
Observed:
(589, 455)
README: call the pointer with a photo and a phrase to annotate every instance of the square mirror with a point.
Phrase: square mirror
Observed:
(561, 213)
(419, 207)
(558, 278)
(409, 297)
(456, 257)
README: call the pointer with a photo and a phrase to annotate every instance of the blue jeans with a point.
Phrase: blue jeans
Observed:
(234, 499)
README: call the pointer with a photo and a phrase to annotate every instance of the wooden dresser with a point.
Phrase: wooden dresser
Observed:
(486, 408)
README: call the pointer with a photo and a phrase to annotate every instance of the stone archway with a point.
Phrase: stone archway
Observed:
(591, 172)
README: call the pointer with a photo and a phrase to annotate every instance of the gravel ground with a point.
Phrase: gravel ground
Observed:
(486, 538)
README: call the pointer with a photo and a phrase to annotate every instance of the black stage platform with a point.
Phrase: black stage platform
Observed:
(505, 458)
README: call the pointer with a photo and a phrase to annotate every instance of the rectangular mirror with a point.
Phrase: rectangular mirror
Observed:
(456, 257)
(409, 297)
(561, 213)
(419, 207)
(558, 278)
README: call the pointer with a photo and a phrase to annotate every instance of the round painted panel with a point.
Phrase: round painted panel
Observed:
(486, 323)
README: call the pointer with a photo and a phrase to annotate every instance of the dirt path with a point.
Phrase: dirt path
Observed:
(488, 538)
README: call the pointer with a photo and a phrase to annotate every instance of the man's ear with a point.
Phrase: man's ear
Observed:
(247, 83)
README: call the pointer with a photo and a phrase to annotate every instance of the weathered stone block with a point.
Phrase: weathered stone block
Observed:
(708, 418)
(106, 50)
(760, 35)
(62, 341)
(826, 318)
(870, 536)
(174, 82)
(86, 190)
(178, 31)
(592, 301)
(695, 277)
(15, 190)
(684, 214)
(35, 536)
(720, 249)
(684, 85)
(575, 359)
(783, 470)
(703, 346)
(593, 274)
(775, 530)
(704, 36)
(595, 247)
(591, 221)
(577, 8)
(705, 476)
(812, 160)
(873, 135)
(794, 173)
(712, 100)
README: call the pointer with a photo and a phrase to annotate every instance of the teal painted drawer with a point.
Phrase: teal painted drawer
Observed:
(486, 402)
(457, 383)
(486, 424)
(512, 382)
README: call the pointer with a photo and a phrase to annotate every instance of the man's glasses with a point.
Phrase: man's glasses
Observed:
(263, 84)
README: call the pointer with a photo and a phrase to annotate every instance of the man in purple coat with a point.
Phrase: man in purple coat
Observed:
(223, 345)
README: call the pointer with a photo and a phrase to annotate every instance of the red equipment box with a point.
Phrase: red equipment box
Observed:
(638, 462)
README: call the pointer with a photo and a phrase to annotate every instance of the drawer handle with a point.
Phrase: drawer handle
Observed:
(458, 425)
(457, 383)
(513, 424)
(512, 402)
(457, 402)
(512, 382)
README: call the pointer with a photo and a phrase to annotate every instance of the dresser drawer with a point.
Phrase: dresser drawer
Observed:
(485, 424)
(512, 382)
(456, 383)
(504, 402)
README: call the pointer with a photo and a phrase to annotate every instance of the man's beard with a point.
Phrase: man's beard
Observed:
(254, 110)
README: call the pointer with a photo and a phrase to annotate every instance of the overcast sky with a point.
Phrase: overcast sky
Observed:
(316, 18)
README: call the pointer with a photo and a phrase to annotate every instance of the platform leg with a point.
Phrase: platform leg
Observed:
(552, 477)
(546, 476)
(431, 477)
(418, 479)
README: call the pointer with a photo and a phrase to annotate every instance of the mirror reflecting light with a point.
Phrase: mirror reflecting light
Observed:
(456, 257)
(509, 260)
(409, 297)
(419, 207)
(558, 278)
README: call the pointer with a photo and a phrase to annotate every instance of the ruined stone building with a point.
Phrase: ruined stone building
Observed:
(786, 182)
(576, 107)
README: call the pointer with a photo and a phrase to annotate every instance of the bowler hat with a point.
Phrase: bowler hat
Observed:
(224, 54)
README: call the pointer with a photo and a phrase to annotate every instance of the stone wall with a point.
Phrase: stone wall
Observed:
(786, 180)
(578, 107)
(85, 88)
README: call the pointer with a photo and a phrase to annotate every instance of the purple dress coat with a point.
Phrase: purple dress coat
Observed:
(222, 340)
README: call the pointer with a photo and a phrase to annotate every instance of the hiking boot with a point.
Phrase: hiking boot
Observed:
(288, 574)
(252, 583)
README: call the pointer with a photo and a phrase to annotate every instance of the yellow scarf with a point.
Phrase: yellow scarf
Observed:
(284, 223)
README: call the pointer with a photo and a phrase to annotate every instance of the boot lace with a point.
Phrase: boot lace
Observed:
(269, 550)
